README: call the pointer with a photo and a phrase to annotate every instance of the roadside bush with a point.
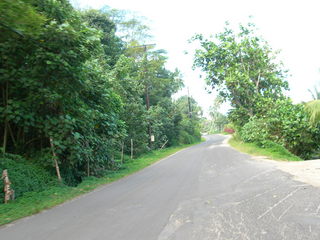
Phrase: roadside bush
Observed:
(189, 131)
(286, 124)
(24, 176)
(256, 130)
(289, 125)
(186, 138)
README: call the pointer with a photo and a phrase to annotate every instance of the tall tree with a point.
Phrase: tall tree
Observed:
(218, 120)
(19, 18)
(57, 97)
(191, 113)
(242, 68)
(113, 46)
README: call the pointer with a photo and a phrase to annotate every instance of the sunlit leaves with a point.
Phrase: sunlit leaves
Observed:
(242, 68)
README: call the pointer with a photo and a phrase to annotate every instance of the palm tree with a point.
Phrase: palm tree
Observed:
(315, 94)
(313, 107)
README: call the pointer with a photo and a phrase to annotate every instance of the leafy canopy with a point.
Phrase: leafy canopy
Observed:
(242, 68)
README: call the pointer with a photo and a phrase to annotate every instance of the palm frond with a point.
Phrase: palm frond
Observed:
(315, 94)
(313, 107)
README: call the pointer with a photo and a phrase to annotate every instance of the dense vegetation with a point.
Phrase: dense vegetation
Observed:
(243, 69)
(75, 92)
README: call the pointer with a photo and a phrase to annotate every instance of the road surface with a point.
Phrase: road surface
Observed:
(208, 191)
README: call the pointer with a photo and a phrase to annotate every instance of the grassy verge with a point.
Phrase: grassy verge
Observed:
(274, 151)
(34, 202)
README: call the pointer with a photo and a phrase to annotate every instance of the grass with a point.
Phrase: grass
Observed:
(273, 151)
(34, 202)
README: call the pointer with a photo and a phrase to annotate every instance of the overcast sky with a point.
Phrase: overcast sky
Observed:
(291, 26)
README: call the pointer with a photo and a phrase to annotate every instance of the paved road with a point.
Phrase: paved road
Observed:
(208, 191)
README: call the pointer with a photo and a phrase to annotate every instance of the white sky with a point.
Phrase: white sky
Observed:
(289, 25)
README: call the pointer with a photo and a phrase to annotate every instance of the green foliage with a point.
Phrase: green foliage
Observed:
(64, 67)
(66, 79)
(289, 125)
(286, 124)
(242, 68)
(313, 108)
(112, 45)
(255, 131)
(131, 28)
(52, 84)
(25, 176)
(19, 19)
(217, 119)
(190, 120)
(71, 95)
(188, 133)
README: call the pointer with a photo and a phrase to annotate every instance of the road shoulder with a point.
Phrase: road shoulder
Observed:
(302, 171)
(307, 171)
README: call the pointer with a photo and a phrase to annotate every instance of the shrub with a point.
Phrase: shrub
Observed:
(186, 138)
(189, 131)
(24, 176)
(255, 131)
(286, 124)
(289, 125)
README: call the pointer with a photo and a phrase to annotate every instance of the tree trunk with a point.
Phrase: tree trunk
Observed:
(5, 95)
(122, 149)
(131, 148)
(55, 160)
(5, 137)
(88, 167)
(147, 97)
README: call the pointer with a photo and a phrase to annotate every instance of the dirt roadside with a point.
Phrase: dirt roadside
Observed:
(303, 171)
(306, 171)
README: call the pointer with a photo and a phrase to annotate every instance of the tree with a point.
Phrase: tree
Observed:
(71, 95)
(218, 120)
(113, 46)
(159, 85)
(125, 82)
(287, 124)
(315, 94)
(191, 113)
(313, 107)
(19, 18)
(56, 94)
(131, 28)
(242, 68)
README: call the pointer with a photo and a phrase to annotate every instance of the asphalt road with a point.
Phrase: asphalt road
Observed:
(208, 191)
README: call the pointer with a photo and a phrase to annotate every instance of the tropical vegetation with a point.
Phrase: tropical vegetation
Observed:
(244, 70)
(80, 90)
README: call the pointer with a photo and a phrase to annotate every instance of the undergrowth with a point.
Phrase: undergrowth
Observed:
(33, 202)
